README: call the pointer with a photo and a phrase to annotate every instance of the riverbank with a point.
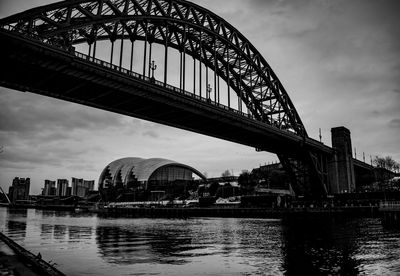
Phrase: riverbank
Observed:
(212, 211)
(165, 212)
(10, 264)
(16, 260)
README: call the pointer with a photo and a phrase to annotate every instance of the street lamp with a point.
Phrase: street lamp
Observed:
(209, 92)
(153, 67)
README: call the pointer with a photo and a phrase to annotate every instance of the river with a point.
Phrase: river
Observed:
(87, 244)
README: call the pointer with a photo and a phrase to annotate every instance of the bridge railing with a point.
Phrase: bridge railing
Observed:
(158, 83)
(58, 45)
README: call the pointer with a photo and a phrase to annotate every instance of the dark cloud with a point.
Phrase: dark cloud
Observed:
(84, 167)
(28, 156)
(329, 30)
(39, 131)
(151, 133)
(9, 7)
(24, 113)
(395, 123)
(56, 155)
(56, 136)
(5, 164)
(37, 121)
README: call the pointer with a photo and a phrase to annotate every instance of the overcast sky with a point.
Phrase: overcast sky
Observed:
(338, 60)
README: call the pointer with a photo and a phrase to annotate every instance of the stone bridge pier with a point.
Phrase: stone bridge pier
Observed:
(340, 165)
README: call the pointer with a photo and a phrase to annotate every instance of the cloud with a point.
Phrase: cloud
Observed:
(39, 131)
(85, 167)
(6, 164)
(54, 155)
(25, 112)
(395, 123)
(151, 133)
(9, 7)
(29, 118)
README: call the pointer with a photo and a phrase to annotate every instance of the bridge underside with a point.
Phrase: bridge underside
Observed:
(27, 66)
(30, 66)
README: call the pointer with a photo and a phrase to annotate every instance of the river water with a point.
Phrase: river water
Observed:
(86, 244)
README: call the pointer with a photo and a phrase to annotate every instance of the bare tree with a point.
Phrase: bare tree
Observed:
(226, 173)
(386, 162)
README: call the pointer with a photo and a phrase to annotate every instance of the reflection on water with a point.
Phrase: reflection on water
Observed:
(19, 228)
(321, 246)
(79, 233)
(141, 245)
(60, 232)
(18, 225)
(84, 244)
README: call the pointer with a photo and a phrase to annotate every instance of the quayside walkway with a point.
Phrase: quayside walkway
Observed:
(16, 260)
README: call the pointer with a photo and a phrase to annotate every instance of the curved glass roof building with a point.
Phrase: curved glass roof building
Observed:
(132, 171)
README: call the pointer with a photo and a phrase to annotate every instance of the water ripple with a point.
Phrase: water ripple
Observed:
(84, 244)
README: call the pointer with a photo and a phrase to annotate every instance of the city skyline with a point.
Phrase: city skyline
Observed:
(338, 62)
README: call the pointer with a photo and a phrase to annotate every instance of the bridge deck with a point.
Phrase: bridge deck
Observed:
(33, 66)
(362, 165)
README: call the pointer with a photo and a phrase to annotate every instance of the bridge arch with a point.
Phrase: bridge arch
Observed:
(192, 31)
(189, 28)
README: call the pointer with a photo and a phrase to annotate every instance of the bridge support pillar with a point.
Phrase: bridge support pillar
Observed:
(341, 167)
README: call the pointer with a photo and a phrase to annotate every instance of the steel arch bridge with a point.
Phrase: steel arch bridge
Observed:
(250, 107)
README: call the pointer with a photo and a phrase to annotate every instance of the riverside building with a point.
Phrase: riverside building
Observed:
(49, 188)
(136, 179)
(62, 187)
(19, 190)
(81, 187)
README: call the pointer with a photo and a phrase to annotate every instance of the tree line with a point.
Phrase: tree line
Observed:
(387, 163)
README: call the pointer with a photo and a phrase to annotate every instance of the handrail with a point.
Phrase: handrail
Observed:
(156, 82)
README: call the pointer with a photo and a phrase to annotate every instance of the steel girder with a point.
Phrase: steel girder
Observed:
(179, 24)
(192, 30)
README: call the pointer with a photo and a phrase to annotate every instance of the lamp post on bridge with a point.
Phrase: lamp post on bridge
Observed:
(320, 136)
(209, 89)
(153, 67)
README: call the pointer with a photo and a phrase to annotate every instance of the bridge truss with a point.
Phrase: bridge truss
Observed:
(218, 52)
